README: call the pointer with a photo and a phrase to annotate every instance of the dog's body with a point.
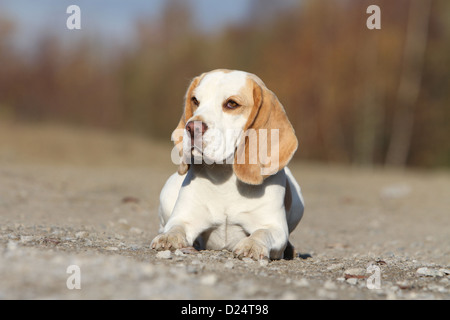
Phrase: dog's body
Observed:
(243, 206)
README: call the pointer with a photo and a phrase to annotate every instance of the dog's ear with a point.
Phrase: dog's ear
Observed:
(274, 134)
(177, 134)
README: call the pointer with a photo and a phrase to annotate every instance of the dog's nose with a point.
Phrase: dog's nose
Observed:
(196, 128)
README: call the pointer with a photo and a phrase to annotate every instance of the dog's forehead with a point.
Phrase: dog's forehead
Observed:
(221, 84)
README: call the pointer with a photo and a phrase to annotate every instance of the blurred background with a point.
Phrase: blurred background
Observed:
(355, 96)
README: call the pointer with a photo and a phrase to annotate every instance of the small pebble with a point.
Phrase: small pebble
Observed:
(428, 272)
(26, 239)
(166, 254)
(437, 288)
(179, 253)
(404, 284)
(263, 262)
(81, 234)
(445, 271)
(12, 236)
(330, 285)
(302, 283)
(355, 272)
(12, 245)
(336, 266)
(208, 280)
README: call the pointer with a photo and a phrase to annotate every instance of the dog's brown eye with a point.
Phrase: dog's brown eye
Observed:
(195, 101)
(231, 104)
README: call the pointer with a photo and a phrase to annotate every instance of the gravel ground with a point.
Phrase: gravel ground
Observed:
(93, 202)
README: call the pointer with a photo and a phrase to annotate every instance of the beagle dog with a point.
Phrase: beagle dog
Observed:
(229, 193)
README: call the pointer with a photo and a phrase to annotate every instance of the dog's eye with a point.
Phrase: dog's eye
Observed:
(231, 104)
(195, 101)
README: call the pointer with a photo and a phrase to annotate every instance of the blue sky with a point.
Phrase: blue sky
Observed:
(111, 18)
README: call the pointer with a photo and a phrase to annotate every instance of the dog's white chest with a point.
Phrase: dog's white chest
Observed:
(234, 208)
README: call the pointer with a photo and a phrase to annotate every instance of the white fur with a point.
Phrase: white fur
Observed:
(209, 204)
(224, 129)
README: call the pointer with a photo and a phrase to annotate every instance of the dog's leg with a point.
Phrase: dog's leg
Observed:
(180, 232)
(173, 239)
(289, 252)
(262, 244)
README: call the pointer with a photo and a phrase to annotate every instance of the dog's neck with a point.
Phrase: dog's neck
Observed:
(216, 173)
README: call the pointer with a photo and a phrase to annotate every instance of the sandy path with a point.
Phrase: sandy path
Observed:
(93, 203)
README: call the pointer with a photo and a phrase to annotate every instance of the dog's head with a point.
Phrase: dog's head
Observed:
(232, 117)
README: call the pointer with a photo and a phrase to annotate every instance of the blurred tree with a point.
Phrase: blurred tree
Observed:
(155, 76)
(429, 145)
(410, 82)
(356, 96)
(8, 67)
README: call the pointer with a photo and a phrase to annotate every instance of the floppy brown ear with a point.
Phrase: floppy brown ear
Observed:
(177, 134)
(267, 113)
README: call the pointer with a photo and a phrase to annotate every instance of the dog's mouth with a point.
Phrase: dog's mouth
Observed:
(196, 151)
(197, 145)
(209, 149)
(204, 154)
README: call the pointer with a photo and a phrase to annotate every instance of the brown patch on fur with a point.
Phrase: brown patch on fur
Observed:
(266, 113)
(244, 98)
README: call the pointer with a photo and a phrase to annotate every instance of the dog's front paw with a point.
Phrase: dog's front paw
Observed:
(170, 240)
(251, 248)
